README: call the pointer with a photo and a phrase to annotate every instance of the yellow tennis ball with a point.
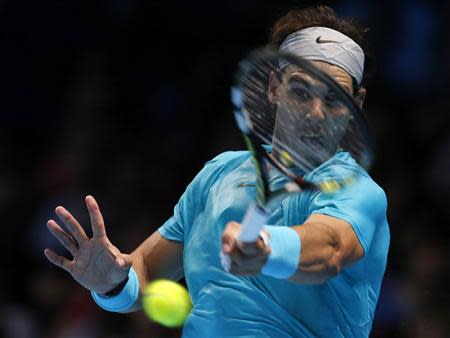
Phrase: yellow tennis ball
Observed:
(166, 303)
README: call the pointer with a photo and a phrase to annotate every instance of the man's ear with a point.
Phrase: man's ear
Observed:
(360, 96)
(274, 83)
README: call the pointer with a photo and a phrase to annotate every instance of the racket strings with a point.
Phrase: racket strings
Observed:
(262, 121)
(264, 131)
(299, 140)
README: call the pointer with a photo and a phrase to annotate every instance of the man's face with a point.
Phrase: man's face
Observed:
(310, 113)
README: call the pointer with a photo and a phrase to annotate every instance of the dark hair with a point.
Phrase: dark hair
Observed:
(323, 16)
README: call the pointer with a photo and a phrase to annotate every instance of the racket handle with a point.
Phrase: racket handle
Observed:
(252, 224)
(254, 220)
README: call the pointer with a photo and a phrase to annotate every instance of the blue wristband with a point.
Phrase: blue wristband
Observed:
(124, 300)
(284, 258)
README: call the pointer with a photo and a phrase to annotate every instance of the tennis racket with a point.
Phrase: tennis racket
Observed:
(284, 101)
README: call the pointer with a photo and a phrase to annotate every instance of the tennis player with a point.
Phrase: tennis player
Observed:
(319, 269)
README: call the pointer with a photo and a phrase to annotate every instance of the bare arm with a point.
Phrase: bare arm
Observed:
(328, 245)
(156, 258)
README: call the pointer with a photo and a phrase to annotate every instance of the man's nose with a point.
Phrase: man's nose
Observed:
(316, 112)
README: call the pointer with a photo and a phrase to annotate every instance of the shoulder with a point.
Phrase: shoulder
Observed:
(225, 162)
(213, 171)
(363, 193)
(220, 165)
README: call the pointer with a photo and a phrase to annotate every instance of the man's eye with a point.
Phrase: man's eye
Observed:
(332, 100)
(300, 93)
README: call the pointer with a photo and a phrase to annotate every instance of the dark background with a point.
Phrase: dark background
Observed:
(127, 99)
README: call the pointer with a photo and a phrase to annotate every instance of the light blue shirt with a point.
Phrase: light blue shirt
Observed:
(226, 305)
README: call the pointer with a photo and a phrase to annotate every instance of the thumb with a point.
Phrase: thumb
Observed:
(124, 261)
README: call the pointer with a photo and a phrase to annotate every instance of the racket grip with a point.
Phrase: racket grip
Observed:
(254, 220)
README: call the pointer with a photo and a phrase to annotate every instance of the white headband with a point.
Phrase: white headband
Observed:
(326, 44)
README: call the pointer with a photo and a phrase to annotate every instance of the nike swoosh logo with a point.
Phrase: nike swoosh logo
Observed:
(319, 40)
(243, 185)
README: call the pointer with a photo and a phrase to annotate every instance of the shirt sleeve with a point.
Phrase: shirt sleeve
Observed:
(362, 204)
(192, 201)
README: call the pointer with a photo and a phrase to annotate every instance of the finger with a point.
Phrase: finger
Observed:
(97, 223)
(66, 240)
(75, 229)
(57, 260)
(229, 237)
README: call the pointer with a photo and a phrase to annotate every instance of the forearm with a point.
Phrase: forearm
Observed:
(141, 269)
(157, 258)
(326, 246)
(320, 255)
(309, 253)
